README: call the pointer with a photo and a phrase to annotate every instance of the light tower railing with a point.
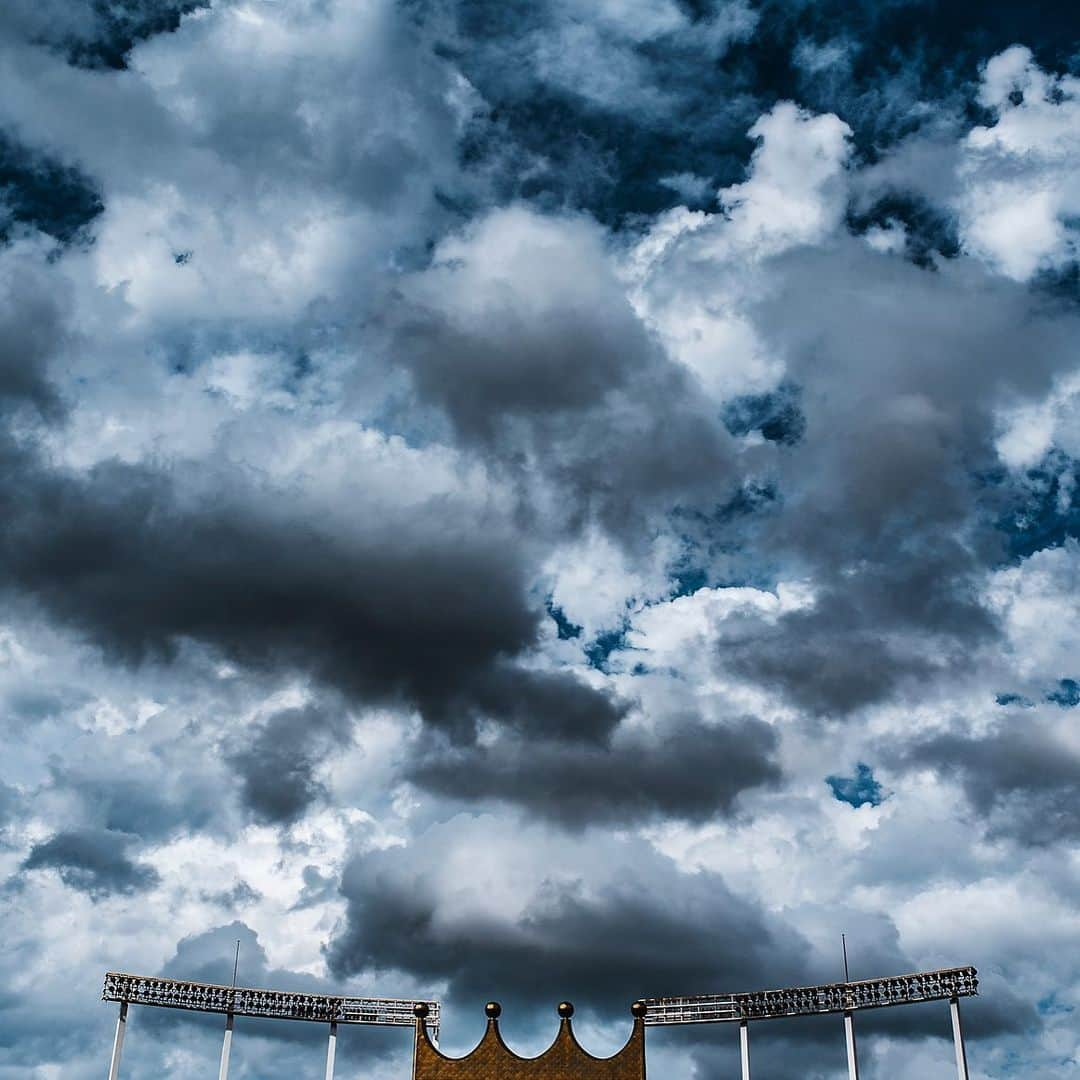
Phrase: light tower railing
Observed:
(233, 1001)
(947, 984)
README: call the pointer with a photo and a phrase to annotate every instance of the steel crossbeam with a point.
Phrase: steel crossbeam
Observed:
(274, 1004)
(846, 997)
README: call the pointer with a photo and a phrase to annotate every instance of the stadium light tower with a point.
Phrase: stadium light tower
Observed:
(565, 1057)
(236, 1001)
(846, 998)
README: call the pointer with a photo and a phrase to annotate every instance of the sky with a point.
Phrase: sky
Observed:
(566, 499)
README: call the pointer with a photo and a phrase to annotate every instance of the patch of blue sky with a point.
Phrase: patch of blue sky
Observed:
(862, 789)
(775, 415)
(598, 651)
(1051, 1006)
(45, 194)
(567, 630)
(1067, 694)
(687, 580)
(1014, 699)
(717, 548)
(1040, 509)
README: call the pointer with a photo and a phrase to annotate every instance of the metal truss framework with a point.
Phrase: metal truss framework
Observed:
(846, 997)
(236, 1001)
(272, 1004)
(949, 984)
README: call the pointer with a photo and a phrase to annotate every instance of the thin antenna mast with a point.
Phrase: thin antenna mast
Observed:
(236, 963)
(843, 944)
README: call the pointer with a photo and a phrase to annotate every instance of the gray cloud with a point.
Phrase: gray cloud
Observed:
(33, 326)
(874, 635)
(686, 770)
(881, 500)
(433, 620)
(1019, 777)
(239, 895)
(522, 334)
(631, 927)
(277, 761)
(138, 796)
(93, 861)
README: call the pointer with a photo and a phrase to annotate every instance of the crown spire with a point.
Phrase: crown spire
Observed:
(492, 1059)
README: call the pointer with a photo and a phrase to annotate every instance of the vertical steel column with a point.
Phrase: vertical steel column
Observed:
(118, 1042)
(852, 1056)
(744, 1047)
(226, 1048)
(331, 1050)
(958, 1039)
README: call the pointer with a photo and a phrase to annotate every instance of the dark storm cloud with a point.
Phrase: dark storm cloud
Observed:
(1021, 777)
(882, 500)
(688, 770)
(278, 759)
(550, 704)
(33, 326)
(427, 611)
(513, 364)
(641, 930)
(522, 334)
(854, 649)
(93, 861)
(209, 956)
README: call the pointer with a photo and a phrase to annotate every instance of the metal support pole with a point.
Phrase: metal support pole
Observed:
(226, 1048)
(958, 1039)
(852, 1056)
(331, 1051)
(118, 1042)
(744, 1047)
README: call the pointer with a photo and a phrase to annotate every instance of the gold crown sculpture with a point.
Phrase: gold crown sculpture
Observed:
(563, 1060)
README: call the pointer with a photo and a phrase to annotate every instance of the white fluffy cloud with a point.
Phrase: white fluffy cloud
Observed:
(694, 275)
(1021, 192)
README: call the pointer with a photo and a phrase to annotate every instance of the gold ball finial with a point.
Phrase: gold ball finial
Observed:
(638, 1009)
(493, 1010)
(566, 1009)
(420, 1009)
